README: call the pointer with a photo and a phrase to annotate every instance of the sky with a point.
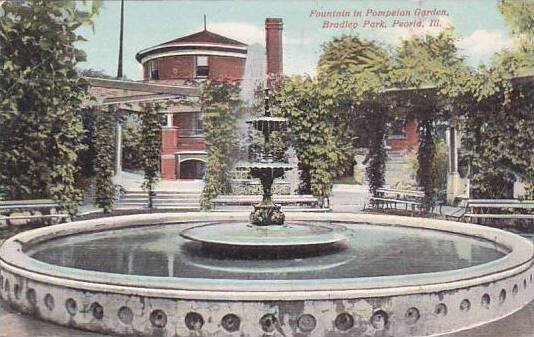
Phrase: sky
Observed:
(478, 25)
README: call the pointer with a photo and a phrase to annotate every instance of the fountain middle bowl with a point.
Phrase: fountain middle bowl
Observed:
(290, 240)
(398, 276)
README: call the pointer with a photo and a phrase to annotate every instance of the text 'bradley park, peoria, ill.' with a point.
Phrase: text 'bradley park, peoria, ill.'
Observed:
(379, 18)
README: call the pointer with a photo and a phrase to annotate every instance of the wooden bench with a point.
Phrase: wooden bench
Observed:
(47, 209)
(388, 203)
(249, 200)
(388, 197)
(504, 209)
(401, 194)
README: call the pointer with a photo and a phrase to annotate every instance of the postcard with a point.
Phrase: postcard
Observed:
(248, 168)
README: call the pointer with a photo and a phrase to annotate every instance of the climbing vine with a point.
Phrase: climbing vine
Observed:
(150, 147)
(425, 79)
(321, 154)
(425, 156)
(105, 189)
(376, 159)
(220, 105)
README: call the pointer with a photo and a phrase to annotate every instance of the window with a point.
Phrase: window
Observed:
(202, 69)
(398, 129)
(153, 71)
(197, 124)
(189, 124)
(192, 169)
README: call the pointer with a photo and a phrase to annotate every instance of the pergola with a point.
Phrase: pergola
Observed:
(455, 185)
(128, 96)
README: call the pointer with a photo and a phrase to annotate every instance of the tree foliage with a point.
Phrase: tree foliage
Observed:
(422, 62)
(320, 150)
(40, 94)
(425, 78)
(220, 105)
(519, 17)
(351, 70)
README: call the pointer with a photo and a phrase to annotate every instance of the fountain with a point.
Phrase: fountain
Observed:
(267, 213)
(266, 233)
(267, 274)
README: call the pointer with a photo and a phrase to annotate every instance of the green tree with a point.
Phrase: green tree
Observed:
(519, 17)
(150, 147)
(105, 189)
(40, 96)
(352, 73)
(220, 106)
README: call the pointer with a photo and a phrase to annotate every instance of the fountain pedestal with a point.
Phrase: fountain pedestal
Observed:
(267, 213)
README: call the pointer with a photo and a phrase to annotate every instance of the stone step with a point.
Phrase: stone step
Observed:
(161, 192)
(163, 196)
(176, 207)
(169, 200)
(144, 202)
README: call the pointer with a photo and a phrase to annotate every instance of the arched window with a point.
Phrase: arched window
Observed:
(192, 169)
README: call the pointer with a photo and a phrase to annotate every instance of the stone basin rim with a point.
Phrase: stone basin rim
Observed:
(13, 258)
(327, 238)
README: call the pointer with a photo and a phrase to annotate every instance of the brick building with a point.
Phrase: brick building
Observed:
(196, 57)
(404, 138)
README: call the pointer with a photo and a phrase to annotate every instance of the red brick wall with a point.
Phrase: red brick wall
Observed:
(192, 144)
(168, 168)
(226, 68)
(174, 67)
(411, 140)
(169, 137)
(183, 67)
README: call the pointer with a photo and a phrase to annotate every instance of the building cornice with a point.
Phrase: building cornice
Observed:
(191, 49)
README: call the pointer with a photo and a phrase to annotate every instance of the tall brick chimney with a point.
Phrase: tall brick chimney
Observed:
(273, 45)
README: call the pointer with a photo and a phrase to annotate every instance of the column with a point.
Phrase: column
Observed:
(455, 185)
(118, 148)
(169, 118)
(453, 151)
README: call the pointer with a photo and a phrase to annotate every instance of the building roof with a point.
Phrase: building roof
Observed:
(203, 40)
(205, 36)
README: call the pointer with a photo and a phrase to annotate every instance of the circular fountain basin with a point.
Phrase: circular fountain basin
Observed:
(394, 276)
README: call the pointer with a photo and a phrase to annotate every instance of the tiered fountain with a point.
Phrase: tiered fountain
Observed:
(266, 234)
(266, 274)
